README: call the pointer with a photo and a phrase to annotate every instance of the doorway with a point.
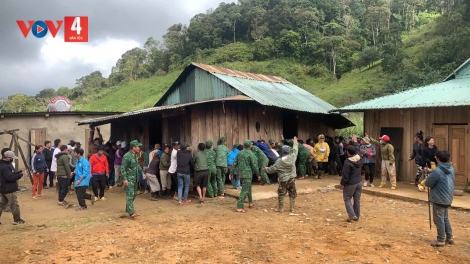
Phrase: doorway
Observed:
(453, 138)
(289, 124)
(37, 136)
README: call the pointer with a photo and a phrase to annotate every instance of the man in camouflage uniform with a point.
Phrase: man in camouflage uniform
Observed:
(212, 179)
(262, 162)
(247, 166)
(221, 155)
(285, 167)
(304, 155)
(130, 170)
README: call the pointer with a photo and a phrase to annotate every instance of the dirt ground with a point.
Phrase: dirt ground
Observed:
(390, 231)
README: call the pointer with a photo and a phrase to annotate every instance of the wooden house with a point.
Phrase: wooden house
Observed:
(207, 102)
(440, 110)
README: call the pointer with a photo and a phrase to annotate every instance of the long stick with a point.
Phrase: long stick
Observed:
(429, 201)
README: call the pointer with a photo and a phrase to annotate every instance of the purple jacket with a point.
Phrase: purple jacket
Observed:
(118, 160)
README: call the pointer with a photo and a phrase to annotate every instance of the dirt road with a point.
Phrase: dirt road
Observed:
(390, 231)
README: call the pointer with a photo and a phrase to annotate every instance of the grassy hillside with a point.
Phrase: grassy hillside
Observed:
(350, 88)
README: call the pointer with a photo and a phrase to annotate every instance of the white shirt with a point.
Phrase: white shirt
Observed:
(173, 161)
(54, 160)
(275, 152)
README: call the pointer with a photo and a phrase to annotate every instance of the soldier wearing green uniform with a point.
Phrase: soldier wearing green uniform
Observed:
(262, 162)
(221, 155)
(285, 167)
(212, 179)
(130, 170)
(247, 166)
(304, 155)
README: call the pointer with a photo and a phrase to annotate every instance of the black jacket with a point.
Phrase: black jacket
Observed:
(184, 162)
(153, 167)
(429, 155)
(8, 178)
(352, 171)
(48, 154)
(417, 154)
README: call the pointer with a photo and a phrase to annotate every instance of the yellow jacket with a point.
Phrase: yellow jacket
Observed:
(321, 151)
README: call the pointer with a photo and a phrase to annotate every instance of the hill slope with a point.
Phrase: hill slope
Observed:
(352, 87)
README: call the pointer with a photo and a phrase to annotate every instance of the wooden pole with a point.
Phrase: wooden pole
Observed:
(18, 147)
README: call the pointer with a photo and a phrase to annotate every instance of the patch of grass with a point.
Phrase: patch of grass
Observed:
(136, 95)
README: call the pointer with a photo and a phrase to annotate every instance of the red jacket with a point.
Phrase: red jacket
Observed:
(99, 165)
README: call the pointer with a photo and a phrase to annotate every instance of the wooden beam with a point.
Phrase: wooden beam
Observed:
(18, 146)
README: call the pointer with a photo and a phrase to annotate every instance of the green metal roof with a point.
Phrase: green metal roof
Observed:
(453, 91)
(266, 90)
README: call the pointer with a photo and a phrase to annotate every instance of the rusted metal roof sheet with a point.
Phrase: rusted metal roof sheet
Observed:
(266, 90)
(160, 108)
(233, 73)
(454, 92)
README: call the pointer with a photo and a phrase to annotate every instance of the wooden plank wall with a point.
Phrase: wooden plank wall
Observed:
(311, 129)
(413, 121)
(234, 120)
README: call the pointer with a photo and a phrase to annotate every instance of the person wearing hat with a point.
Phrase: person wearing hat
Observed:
(130, 170)
(231, 158)
(173, 168)
(165, 177)
(117, 163)
(321, 151)
(285, 167)
(247, 165)
(221, 155)
(351, 183)
(9, 186)
(388, 160)
(263, 162)
(212, 189)
(368, 161)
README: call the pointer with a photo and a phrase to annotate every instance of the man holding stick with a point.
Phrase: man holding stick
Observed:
(441, 184)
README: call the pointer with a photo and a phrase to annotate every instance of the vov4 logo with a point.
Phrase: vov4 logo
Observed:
(75, 28)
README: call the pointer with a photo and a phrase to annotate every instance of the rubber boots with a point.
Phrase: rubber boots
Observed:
(292, 204)
(153, 196)
(280, 206)
(320, 172)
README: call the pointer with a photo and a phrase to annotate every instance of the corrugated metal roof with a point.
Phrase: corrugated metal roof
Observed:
(233, 73)
(283, 95)
(160, 108)
(454, 91)
(463, 71)
(266, 90)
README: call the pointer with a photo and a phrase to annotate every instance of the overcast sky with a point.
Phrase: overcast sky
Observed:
(28, 65)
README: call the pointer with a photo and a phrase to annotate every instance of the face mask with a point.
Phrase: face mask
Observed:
(381, 141)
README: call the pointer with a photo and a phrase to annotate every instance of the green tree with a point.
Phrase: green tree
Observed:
(234, 52)
(21, 103)
(367, 57)
(46, 93)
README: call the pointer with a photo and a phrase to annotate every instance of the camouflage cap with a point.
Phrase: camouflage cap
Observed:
(235, 146)
(285, 149)
(135, 143)
(209, 143)
(247, 143)
(223, 139)
(271, 140)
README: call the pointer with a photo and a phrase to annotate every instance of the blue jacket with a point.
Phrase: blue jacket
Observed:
(82, 170)
(231, 156)
(39, 163)
(441, 181)
(267, 151)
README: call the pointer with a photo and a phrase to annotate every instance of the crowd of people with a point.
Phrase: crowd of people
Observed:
(165, 171)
